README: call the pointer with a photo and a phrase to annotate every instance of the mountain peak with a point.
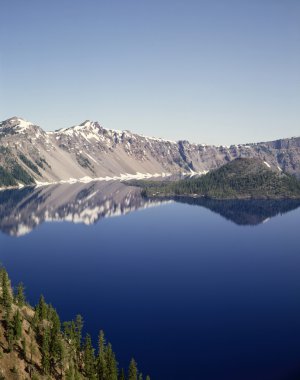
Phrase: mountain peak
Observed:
(15, 125)
(87, 123)
(17, 119)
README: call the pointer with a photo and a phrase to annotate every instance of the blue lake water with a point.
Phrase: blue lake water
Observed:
(192, 291)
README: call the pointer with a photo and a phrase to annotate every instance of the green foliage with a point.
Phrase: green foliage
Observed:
(10, 336)
(45, 350)
(132, 370)
(6, 298)
(84, 162)
(111, 363)
(242, 178)
(17, 325)
(42, 309)
(101, 360)
(55, 341)
(20, 296)
(6, 179)
(11, 173)
(89, 358)
(122, 375)
(20, 175)
(29, 164)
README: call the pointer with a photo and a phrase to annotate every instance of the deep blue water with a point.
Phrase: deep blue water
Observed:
(188, 293)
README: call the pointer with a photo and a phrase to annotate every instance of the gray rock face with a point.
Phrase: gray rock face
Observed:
(91, 151)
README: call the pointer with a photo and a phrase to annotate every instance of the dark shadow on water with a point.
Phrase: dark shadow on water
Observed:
(244, 212)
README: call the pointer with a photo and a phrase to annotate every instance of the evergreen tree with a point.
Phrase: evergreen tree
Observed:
(35, 320)
(122, 375)
(10, 335)
(61, 358)
(20, 296)
(89, 358)
(69, 334)
(17, 325)
(31, 349)
(140, 376)
(7, 317)
(41, 309)
(78, 326)
(6, 299)
(45, 352)
(148, 377)
(55, 343)
(78, 331)
(132, 371)
(101, 360)
(112, 366)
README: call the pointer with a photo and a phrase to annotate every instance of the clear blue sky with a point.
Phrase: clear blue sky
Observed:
(211, 71)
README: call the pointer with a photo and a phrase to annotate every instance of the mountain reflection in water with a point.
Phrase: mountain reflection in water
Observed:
(245, 212)
(23, 210)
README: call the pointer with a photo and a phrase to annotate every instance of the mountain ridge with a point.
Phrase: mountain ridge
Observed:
(29, 155)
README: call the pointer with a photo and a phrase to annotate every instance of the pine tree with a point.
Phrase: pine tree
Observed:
(122, 375)
(35, 320)
(101, 360)
(89, 357)
(31, 349)
(78, 331)
(10, 335)
(41, 309)
(140, 376)
(112, 366)
(17, 325)
(132, 371)
(69, 334)
(148, 377)
(45, 352)
(61, 358)
(6, 299)
(20, 296)
(55, 343)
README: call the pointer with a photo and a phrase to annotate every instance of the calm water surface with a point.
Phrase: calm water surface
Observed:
(192, 291)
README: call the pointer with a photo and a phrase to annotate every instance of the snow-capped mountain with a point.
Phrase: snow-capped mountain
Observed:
(29, 155)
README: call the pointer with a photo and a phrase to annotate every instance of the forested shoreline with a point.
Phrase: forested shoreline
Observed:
(243, 178)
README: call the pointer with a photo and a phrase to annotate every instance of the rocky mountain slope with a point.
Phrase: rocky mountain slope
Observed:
(29, 155)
